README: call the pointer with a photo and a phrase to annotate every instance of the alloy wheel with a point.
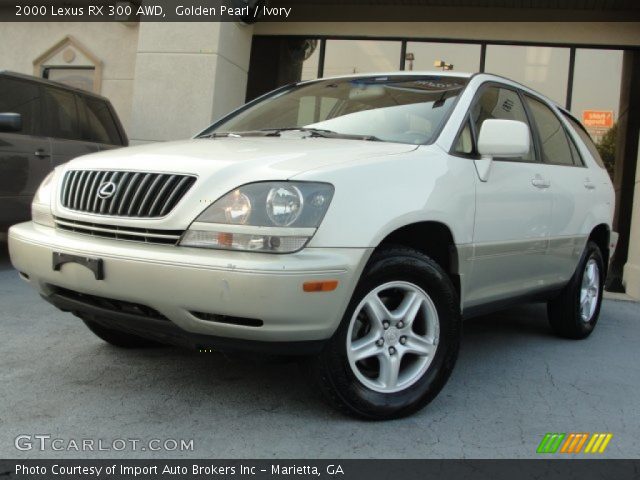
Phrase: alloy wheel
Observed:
(393, 337)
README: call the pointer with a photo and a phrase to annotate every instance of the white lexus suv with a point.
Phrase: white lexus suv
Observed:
(356, 219)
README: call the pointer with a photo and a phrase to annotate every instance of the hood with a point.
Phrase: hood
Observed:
(222, 164)
(249, 158)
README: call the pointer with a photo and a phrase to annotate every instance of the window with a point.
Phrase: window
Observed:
(395, 109)
(464, 144)
(464, 57)
(310, 60)
(500, 103)
(22, 97)
(584, 136)
(596, 87)
(577, 158)
(99, 125)
(553, 138)
(545, 69)
(345, 57)
(80, 77)
(61, 114)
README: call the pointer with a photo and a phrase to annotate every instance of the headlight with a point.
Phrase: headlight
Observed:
(277, 217)
(284, 205)
(41, 205)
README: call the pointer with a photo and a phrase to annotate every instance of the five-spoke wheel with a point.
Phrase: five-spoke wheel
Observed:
(398, 340)
(393, 336)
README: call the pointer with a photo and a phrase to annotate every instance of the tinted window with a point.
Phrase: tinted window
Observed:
(553, 138)
(503, 104)
(584, 136)
(98, 125)
(24, 98)
(577, 158)
(62, 114)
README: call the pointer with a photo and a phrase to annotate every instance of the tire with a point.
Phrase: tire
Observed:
(571, 314)
(116, 337)
(365, 388)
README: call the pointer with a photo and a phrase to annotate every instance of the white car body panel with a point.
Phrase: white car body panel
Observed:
(511, 238)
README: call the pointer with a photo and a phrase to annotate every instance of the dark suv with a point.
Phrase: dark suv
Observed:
(44, 124)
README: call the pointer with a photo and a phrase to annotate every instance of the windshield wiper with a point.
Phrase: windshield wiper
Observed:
(275, 132)
(320, 132)
(250, 133)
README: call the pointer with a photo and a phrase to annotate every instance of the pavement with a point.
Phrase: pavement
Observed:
(514, 382)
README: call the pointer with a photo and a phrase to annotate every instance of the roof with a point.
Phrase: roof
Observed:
(404, 73)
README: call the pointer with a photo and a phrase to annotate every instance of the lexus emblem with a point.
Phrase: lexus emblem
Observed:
(106, 190)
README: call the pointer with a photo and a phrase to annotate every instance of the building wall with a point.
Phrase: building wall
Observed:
(114, 44)
(187, 74)
(632, 268)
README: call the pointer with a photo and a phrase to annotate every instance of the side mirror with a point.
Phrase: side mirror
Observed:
(504, 138)
(10, 122)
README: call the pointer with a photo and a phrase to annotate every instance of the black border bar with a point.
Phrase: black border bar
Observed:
(555, 469)
(252, 11)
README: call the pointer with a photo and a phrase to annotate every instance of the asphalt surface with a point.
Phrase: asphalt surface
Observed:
(514, 382)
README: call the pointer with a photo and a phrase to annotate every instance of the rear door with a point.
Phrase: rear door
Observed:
(62, 119)
(25, 156)
(572, 188)
(513, 211)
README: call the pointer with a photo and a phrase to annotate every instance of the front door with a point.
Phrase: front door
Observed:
(513, 213)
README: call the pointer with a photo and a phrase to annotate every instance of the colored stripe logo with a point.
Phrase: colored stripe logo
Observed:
(574, 443)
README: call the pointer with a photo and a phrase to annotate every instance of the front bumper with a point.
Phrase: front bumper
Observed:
(177, 282)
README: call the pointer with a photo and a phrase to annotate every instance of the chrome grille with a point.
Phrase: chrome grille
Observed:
(134, 194)
(147, 235)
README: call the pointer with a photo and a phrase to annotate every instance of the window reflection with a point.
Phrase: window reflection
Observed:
(545, 69)
(345, 57)
(464, 57)
(596, 89)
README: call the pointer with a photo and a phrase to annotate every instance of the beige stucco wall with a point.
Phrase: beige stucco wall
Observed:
(114, 44)
(187, 74)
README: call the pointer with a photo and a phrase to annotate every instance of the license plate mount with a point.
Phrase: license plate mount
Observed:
(96, 265)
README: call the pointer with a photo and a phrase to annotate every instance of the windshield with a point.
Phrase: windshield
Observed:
(404, 109)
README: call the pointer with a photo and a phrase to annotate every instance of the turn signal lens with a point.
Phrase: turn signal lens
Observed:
(321, 286)
(248, 242)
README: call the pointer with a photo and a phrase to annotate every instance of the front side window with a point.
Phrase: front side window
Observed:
(464, 144)
(407, 109)
(24, 98)
(553, 138)
(62, 114)
(503, 104)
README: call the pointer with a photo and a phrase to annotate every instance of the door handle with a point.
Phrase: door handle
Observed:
(540, 182)
(41, 153)
(589, 185)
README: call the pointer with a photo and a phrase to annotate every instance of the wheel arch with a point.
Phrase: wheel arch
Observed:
(433, 238)
(601, 236)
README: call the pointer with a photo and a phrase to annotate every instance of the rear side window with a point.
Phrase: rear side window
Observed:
(586, 139)
(24, 98)
(553, 138)
(99, 125)
(61, 114)
(503, 104)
